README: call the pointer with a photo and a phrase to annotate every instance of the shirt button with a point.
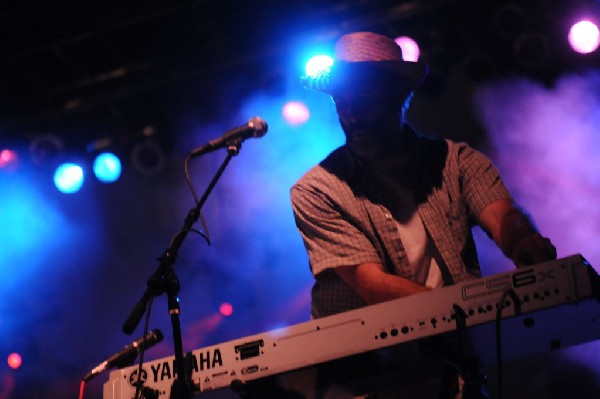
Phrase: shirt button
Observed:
(388, 216)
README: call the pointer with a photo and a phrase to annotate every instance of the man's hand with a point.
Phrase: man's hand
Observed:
(515, 234)
(532, 249)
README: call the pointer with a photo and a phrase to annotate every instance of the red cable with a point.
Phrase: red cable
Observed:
(81, 389)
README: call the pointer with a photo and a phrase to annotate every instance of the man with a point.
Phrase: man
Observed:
(389, 214)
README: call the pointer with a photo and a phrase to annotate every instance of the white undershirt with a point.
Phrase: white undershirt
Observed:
(417, 243)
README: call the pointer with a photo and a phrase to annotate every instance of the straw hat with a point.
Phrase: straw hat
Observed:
(367, 60)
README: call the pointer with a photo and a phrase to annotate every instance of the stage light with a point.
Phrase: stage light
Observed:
(584, 37)
(295, 113)
(226, 309)
(14, 361)
(68, 178)
(107, 167)
(45, 149)
(509, 20)
(147, 157)
(318, 64)
(410, 48)
(532, 49)
(8, 159)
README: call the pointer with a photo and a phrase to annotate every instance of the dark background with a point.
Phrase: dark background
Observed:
(83, 67)
(116, 75)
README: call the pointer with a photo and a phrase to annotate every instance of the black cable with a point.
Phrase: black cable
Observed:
(517, 305)
(138, 383)
(206, 233)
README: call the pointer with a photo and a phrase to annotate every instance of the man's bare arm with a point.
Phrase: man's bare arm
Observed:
(515, 234)
(374, 285)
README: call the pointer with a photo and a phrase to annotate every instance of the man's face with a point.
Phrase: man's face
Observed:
(371, 123)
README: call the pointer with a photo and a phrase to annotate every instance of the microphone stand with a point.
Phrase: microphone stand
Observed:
(164, 280)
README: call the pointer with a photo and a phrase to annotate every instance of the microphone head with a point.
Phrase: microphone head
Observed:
(259, 126)
(154, 337)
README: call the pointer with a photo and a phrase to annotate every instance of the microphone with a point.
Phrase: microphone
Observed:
(256, 127)
(127, 355)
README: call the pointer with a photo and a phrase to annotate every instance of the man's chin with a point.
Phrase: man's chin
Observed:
(366, 152)
(361, 134)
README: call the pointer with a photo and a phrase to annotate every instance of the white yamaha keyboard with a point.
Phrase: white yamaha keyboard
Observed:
(557, 307)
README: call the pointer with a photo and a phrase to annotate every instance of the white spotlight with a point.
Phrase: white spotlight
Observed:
(410, 48)
(584, 37)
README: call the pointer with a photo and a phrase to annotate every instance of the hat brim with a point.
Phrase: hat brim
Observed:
(357, 77)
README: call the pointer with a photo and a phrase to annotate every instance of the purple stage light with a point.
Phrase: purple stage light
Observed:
(584, 37)
(410, 48)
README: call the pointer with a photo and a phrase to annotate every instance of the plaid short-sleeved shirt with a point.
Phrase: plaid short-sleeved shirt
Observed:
(342, 223)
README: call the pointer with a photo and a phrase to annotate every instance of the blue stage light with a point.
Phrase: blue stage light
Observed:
(317, 64)
(107, 167)
(68, 178)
